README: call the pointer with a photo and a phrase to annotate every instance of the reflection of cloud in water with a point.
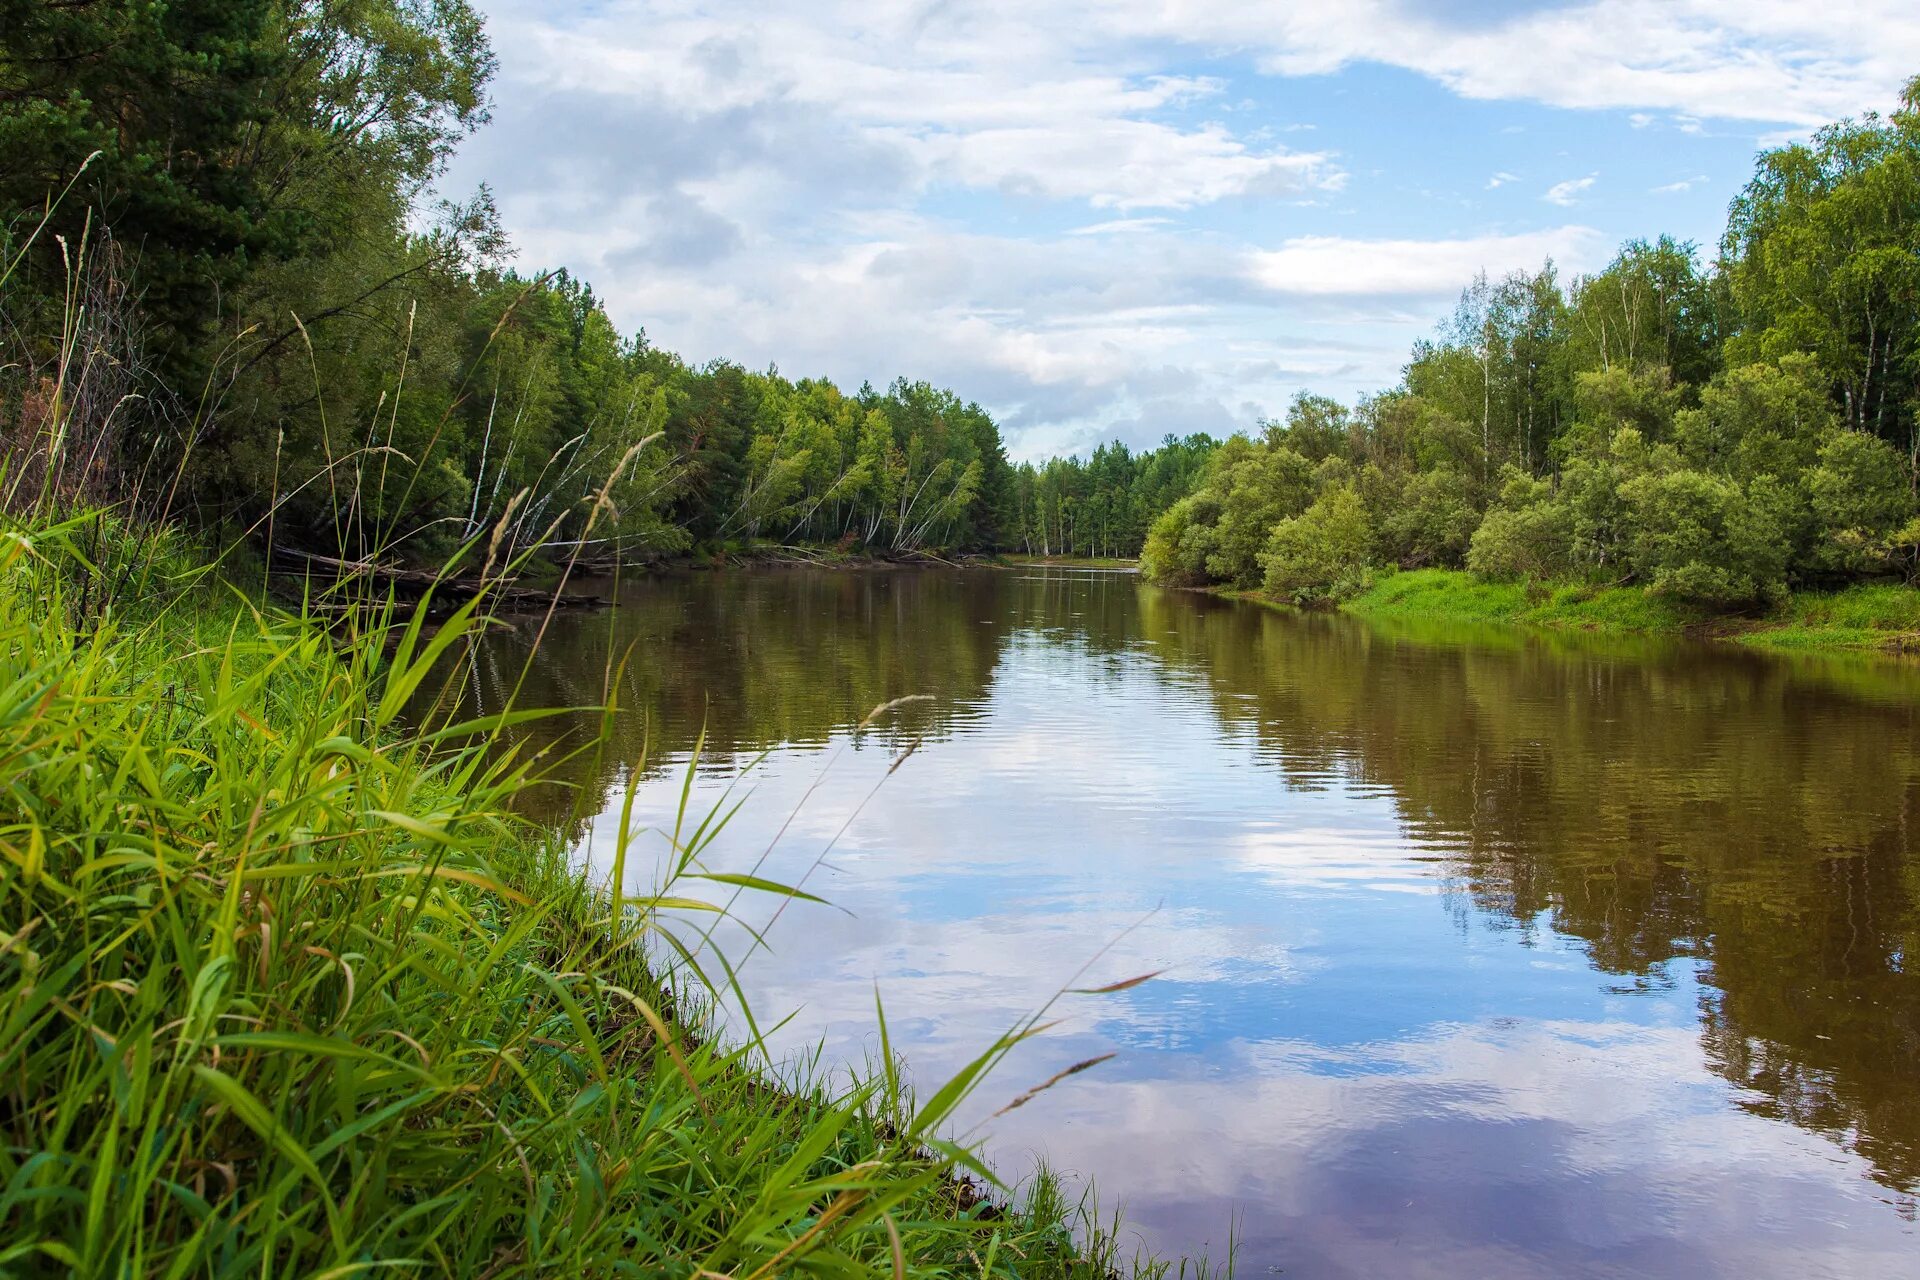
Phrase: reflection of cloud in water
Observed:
(1516, 1151)
(1372, 859)
(1508, 958)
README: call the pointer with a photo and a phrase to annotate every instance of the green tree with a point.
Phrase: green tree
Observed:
(1322, 553)
(1823, 256)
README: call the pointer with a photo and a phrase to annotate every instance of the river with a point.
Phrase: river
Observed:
(1485, 954)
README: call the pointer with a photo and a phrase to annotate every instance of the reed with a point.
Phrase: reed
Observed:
(288, 986)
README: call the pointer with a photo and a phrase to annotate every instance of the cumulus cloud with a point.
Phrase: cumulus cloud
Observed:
(1336, 266)
(1055, 208)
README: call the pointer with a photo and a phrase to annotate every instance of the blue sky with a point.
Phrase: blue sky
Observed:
(1121, 218)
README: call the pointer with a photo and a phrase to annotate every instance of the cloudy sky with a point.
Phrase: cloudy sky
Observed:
(1120, 218)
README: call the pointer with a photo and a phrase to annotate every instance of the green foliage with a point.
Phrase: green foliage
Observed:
(1257, 488)
(1860, 497)
(1439, 595)
(1701, 433)
(1527, 536)
(1823, 256)
(288, 987)
(1101, 507)
(1322, 553)
(1652, 307)
(373, 385)
(378, 383)
(1702, 537)
(1177, 545)
(1427, 521)
(228, 132)
(1759, 419)
(1863, 616)
(1218, 532)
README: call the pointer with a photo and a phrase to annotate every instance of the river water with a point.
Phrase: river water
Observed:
(1485, 954)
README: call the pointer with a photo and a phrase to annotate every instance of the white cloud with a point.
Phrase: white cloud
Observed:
(1770, 60)
(976, 191)
(986, 106)
(1566, 194)
(1675, 188)
(1335, 266)
(1126, 164)
(1120, 226)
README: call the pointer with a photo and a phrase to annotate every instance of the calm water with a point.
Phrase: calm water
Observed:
(1486, 955)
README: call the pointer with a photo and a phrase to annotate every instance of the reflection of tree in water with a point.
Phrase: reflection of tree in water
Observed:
(1655, 801)
(1658, 802)
(755, 659)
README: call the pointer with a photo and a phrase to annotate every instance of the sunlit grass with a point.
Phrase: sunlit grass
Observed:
(288, 987)
(285, 988)
(1879, 616)
(1874, 616)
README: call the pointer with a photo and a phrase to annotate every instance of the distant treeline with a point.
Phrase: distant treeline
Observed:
(1714, 432)
(246, 310)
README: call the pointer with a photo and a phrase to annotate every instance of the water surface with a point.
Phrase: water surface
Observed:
(1486, 954)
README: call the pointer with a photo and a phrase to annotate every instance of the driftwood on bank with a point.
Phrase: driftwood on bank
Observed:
(327, 575)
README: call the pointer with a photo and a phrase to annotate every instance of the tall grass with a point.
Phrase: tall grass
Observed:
(285, 988)
(288, 988)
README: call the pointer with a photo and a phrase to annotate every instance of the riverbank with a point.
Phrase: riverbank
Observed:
(1109, 563)
(287, 985)
(1863, 618)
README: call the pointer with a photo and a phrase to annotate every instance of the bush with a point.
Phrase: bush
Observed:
(1177, 543)
(1529, 535)
(1266, 486)
(1321, 554)
(1859, 495)
(1431, 523)
(1528, 543)
(1701, 537)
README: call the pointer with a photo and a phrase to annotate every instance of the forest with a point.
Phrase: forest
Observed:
(226, 211)
(232, 283)
(1715, 431)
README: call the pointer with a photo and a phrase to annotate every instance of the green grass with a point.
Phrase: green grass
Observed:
(1868, 616)
(286, 988)
(1448, 594)
(1068, 562)
(1865, 617)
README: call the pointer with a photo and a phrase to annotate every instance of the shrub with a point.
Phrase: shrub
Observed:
(1177, 543)
(1527, 543)
(1859, 496)
(1432, 521)
(1321, 554)
(1702, 537)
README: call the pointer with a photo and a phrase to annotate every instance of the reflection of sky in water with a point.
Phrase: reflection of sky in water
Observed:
(1367, 1072)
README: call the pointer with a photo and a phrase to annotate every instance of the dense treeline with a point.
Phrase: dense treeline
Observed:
(246, 308)
(1104, 505)
(1715, 433)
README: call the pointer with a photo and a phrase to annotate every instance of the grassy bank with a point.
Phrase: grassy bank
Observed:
(1865, 617)
(286, 988)
(1067, 562)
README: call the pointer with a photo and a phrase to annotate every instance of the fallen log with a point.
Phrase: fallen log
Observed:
(413, 585)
